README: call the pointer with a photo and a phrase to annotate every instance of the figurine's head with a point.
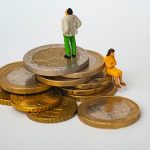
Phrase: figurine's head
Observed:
(69, 11)
(110, 52)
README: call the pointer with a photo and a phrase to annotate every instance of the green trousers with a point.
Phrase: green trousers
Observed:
(70, 45)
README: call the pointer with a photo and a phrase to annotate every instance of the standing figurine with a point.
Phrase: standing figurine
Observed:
(70, 24)
(110, 63)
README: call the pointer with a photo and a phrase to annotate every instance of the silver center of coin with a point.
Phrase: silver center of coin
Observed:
(22, 77)
(109, 111)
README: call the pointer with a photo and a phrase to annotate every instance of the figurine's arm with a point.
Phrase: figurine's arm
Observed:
(109, 64)
(78, 22)
(65, 26)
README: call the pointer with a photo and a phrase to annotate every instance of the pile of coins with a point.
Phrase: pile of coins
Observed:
(47, 86)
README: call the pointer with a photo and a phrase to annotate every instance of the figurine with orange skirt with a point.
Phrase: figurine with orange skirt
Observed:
(110, 63)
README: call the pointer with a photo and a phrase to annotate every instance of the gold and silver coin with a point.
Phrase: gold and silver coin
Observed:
(109, 112)
(5, 98)
(74, 91)
(15, 78)
(96, 65)
(94, 83)
(37, 102)
(61, 82)
(64, 111)
(49, 60)
(109, 91)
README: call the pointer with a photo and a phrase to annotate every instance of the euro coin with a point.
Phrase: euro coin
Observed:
(37, 102)
(109, 91)
(49, 60)
(109, 112)
(5, 98)
(96, 65)
(94, 83)
(15, 78)
(66, 110)
(61, 82)
(74, 91)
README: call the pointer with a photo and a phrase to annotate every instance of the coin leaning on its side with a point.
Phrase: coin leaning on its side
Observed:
(49, 60)
(15, 78)
(61, 82)
(5, 98)
(96, 65)
(37, 102)
(109, 112)
(64, 111)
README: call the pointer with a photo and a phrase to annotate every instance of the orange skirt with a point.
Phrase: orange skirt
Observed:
(114, 72)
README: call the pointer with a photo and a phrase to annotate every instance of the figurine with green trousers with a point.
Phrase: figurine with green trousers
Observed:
(70, 24)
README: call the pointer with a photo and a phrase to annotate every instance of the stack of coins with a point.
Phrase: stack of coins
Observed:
(46, 86)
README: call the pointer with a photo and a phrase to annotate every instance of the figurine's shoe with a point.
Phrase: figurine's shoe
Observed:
(65, 56)
(73, 55)
(123, 84)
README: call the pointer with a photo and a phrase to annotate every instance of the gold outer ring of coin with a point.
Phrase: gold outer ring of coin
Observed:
(73, 91)
(110, 91)
(92, 69)
(5, 98)
(86, 116)
(61, 82)
(66, 110)
(37, 102)
(99, 82)
(19, 89)
(48, 60)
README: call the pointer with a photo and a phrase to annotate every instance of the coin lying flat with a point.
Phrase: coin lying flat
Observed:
(49, 60)
(94, 83)
(61, 82)
(15, 78)
(96, 64)
(4, 98)
(37, 102)
(109, 91)
(109, 112)
(74, 91)
(64, 111)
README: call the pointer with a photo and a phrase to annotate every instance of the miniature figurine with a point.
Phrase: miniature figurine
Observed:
(110, 63)
(70, 24)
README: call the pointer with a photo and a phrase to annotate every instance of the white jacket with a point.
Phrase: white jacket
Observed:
(70, 24)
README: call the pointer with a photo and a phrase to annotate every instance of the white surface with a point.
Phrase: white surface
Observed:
(120, 24)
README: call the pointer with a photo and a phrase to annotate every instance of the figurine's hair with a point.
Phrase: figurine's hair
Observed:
(69, 11)
(110, 51)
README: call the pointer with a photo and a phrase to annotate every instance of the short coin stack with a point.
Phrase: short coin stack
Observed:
(46, 86)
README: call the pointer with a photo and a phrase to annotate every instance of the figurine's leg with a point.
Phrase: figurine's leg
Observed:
(67, 45)
(117, 82)
(121, 82)
(73, 45)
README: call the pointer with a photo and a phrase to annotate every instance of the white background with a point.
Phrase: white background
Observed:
(120, 24)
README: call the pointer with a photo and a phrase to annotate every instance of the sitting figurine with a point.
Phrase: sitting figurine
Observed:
(70, 24)
(110, 63)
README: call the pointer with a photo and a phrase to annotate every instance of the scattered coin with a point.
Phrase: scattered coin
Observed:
(96, 65)
(64, 111)
(61, 82)
(109, 112)
(37, 102)
(49, 60)
(15, 78)
(4, 98)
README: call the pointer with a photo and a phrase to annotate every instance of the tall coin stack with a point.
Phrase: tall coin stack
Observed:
(46, 86)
